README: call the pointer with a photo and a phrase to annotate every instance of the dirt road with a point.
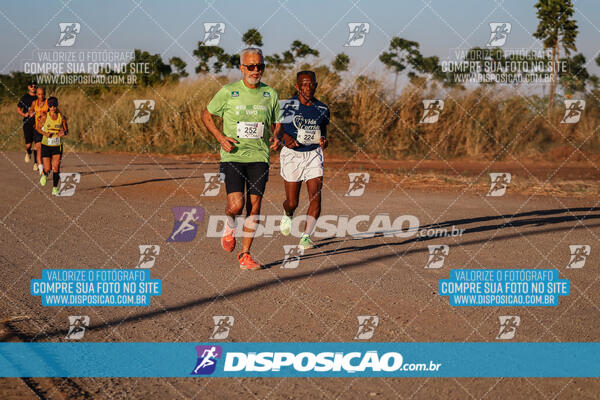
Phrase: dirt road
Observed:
(124, 201)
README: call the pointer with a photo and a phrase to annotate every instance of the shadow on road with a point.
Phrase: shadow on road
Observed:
(148, 181)
(508, 222)
(539, 222)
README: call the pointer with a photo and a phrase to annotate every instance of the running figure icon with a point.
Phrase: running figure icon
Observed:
(207, 360)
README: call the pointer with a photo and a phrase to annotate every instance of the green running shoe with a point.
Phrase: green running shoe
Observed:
(286, 225)
(55, 191)
(305, 242)
(43, 180)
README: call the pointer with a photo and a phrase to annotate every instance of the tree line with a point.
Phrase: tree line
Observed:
(556, 29)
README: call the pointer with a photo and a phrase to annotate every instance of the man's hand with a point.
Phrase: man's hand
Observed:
(227, 143)
(276, 143)
(31, 112)
(290, 142)
(61, 133)
(323, 143)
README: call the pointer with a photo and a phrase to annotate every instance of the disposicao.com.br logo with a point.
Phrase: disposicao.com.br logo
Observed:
(306, 363)
(326, 226)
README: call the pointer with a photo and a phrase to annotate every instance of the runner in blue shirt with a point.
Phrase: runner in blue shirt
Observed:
(305, 122)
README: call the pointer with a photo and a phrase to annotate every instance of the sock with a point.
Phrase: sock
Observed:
(35, 156)
(230, 222)
(55, 178)
(28, 151)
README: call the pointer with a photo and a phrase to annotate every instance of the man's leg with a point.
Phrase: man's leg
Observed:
(314, 187)
(292, 195)
(257, 174)
(55, 172)
(314, 183)
(251, 222)
(28, 134)
(235, 177)
(46, 160)
(234, 207)
(37, 153)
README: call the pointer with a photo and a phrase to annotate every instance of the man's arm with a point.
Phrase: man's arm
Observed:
(226, 142)
(21, 113)
(276, 138)
(65, 130)
(323, 141)
(40, 130)
(20, 106)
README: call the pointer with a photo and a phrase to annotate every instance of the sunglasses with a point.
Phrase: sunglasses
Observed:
(252, 67)
(52, 105)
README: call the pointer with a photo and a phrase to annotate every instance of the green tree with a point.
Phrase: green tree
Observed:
(556, 27)
(401, 54)
(302, 50)
(574, 78)
(288, 58)
(281, 62)
(179, 66)
(252, 38)
(341, 62)
(159, 71)
(213, 57)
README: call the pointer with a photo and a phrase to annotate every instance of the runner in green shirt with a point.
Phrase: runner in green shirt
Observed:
(250, 110)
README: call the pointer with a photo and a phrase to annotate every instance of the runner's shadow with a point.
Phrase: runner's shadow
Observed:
(135, 169)
(464, 221)
(147, 181)
(275, 282)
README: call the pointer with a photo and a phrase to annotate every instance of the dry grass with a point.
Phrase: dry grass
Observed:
(482, 123)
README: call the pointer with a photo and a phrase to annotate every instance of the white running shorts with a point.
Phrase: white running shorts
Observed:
(297, 166)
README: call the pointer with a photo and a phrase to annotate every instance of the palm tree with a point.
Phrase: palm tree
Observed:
(556, 27)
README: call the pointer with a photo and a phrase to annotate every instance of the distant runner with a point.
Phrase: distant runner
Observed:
(53, 130)
(24, 109)
(305, 122)
(249, 108)
(40, 108)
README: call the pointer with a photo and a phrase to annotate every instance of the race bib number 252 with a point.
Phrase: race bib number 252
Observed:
(250, 130)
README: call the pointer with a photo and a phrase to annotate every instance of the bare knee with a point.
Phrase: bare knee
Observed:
(292, 204)
(235, 207)
(255, 208)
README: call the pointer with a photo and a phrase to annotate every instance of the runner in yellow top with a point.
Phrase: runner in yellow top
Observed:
(40, 108)
(53, 130)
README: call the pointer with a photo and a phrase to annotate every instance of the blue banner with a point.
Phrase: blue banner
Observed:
(95, 287)
(504, 287)
(299, 359)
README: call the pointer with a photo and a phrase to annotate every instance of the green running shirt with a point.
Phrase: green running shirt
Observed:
(236, 104)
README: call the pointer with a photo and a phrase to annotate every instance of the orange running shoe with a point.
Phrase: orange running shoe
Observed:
(247, 262)
(228, 239)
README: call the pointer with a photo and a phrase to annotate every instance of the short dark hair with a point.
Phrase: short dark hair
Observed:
(310, 73)
(52, 101)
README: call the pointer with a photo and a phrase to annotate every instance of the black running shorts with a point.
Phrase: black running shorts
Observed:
(49, 151)
(253, 176)
(37, 137)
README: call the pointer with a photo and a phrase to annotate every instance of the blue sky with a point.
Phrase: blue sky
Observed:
(174, 28)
